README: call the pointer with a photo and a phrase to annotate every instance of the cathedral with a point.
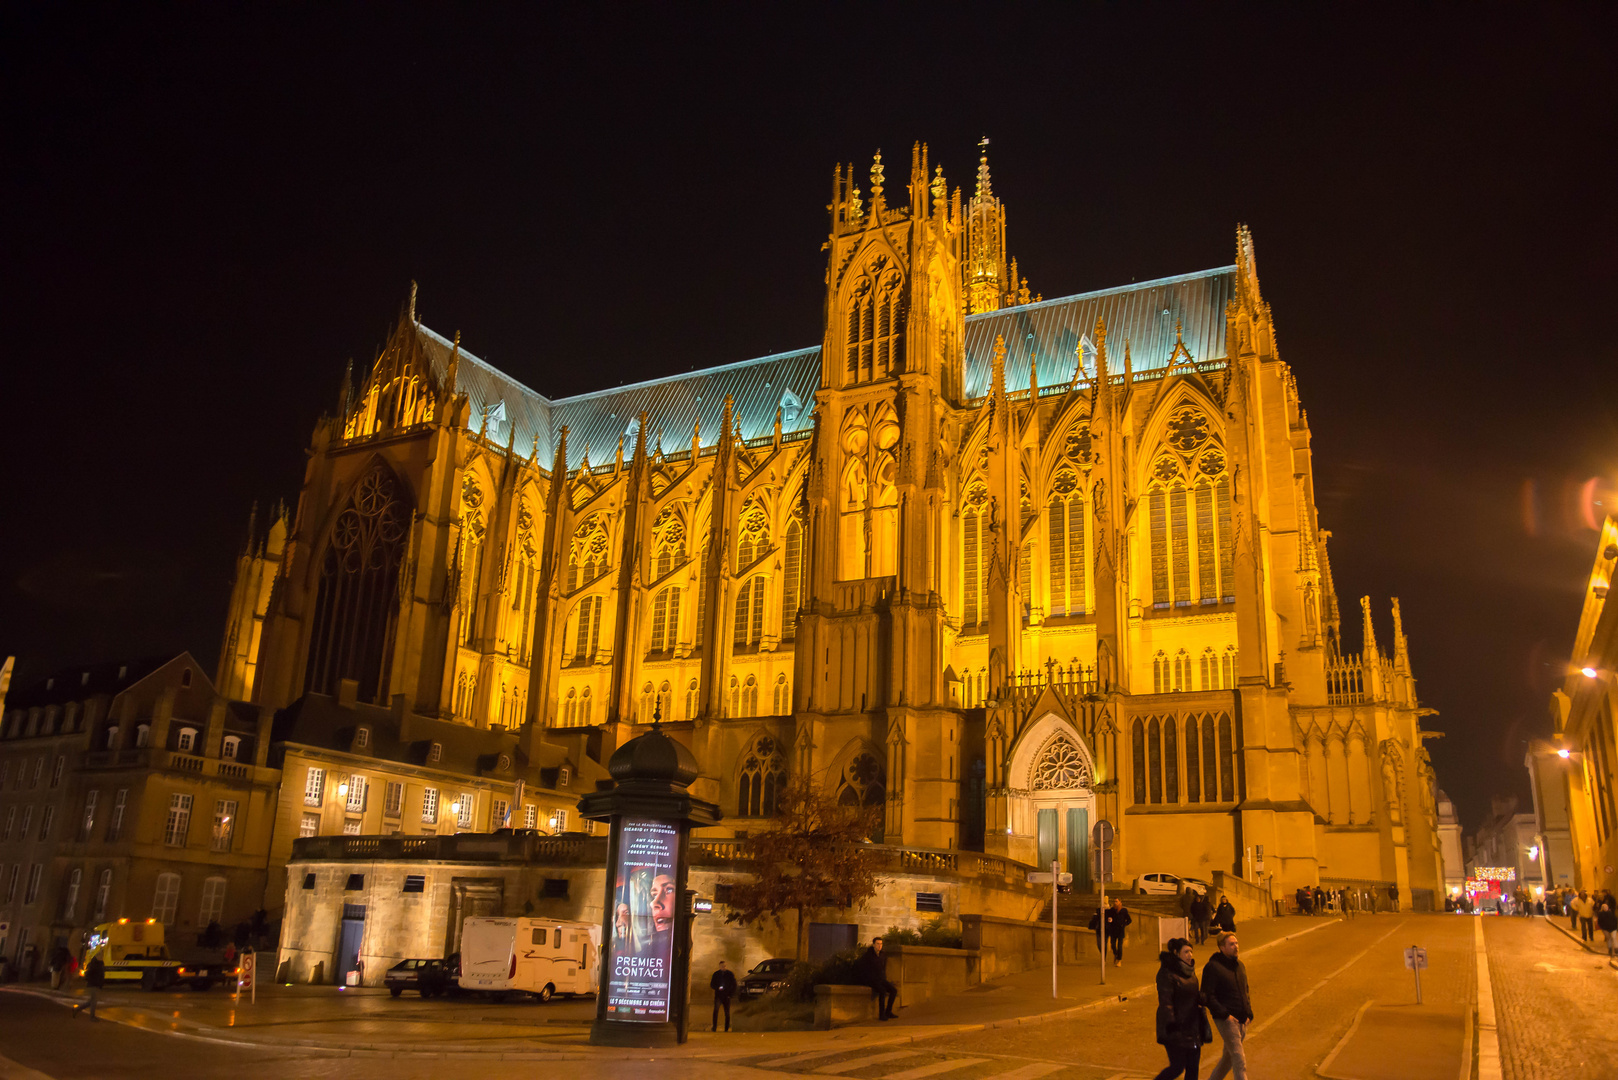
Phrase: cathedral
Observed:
(1001, 566)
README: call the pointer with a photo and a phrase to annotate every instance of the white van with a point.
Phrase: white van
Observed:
(534, 956)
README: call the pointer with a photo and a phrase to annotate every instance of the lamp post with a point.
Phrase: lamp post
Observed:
(645, 921)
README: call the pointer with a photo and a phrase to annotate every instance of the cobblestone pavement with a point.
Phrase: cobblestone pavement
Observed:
(1555, 1004)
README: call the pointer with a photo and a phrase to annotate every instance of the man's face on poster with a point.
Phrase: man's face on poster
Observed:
(662, 903)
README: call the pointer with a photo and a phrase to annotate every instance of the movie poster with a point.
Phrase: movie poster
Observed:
(641, 952)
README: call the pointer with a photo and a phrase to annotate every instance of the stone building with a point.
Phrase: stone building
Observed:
(1000, 565)
(129, 790)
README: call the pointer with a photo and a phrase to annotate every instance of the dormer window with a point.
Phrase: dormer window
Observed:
(435, 753)
(563, 776)
(362, 737)
(185, 677)
(188, 739)
(112, 738)
(231, 747)
(143, 734)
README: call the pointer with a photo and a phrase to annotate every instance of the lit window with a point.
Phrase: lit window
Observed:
(530, 816)
(393, 803)
(224, 824)
(362, 737)
(309, 825)
(463, 814)
(314, 787)
(358, 789)
(115, 823)
(178, 825)
(188, 739)
(497, 814)
(429, 806)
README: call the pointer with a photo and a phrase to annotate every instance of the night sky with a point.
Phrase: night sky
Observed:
(207, 213)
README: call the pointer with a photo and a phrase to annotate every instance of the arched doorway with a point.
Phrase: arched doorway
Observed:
(1052, 765)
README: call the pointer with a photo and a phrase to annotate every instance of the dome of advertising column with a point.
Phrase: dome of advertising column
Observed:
(653, 756)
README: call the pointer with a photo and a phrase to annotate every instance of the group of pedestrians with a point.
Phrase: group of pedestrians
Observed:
(1184, 1006)
(1588, 912)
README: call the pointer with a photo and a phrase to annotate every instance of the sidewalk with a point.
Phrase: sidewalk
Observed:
(367, 1023)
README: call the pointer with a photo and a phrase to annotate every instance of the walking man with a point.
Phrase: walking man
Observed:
(872, 969)
(1393, 897)
(723, 984)
(1224, 986)
(1586, 911)
(1200, 914)
(1118, 920)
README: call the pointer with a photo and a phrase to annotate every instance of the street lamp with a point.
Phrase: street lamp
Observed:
(342, 790)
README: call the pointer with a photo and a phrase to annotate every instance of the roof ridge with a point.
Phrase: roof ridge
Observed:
(1175, 279)
(663, 380)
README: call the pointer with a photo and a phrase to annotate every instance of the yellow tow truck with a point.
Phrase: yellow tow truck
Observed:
(133, 953)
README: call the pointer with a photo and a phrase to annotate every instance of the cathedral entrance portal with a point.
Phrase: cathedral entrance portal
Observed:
(1054, 767)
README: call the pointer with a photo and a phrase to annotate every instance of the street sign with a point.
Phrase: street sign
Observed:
(1101, 836)
(701, 906)
(1415, 957)
(247, 974)
(1101, 864)
(1047, 878)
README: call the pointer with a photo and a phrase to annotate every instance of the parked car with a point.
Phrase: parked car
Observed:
(429, 977)
(1168, 883)
(766, 976)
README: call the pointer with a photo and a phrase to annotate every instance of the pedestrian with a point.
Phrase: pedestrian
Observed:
(723, 985)
(1188, 895)
(1224, 988)
(1569, 898)
(56, 962)
(1225, 916)
(1607, 921)
(1393, 897)
(1182, 1026)
(1201, 913)
(1118, 920)
(872, 971)
(1306, 902)
(1585, 912)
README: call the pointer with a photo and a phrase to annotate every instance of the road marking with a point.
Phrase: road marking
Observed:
(10, 1070)
(1488, 1034)
(1324, 1067)
(934, 1069)
(860, 1063)
(1299, 1000)
(1031, 1072)
(794, 1059)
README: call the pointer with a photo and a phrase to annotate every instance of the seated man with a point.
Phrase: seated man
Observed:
(872, 969)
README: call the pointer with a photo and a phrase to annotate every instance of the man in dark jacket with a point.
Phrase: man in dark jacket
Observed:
(1224, 987)
(723, 984)
(872, 970)
(1113, 924)
(1200, 914)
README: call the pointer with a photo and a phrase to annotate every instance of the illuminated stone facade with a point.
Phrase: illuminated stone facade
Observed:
(1000, 565)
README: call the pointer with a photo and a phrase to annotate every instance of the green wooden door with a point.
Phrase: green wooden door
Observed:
(1078, 849)
(1047, 838)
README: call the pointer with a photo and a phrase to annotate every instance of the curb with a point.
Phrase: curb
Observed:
(1580, 942)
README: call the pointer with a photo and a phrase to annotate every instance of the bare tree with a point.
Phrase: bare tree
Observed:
(815, 854)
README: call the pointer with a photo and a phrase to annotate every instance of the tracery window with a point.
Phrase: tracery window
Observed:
(735, 696)
(587, 553)
(357, 606)
(1160, 673)
(587, 629)
(1154, 759)
(1191, 542)
(570, 706)
(1137, 758)
(666, 619)
(1060, 766)
(1182, 670)
(749, 626)
(471, 558)
(764, 773)
(1171, 761)
(783, 696)
(525, 584)
(863, 784)
(869, 496)
(1193, 762)
(752, 535)
(1227, 668)
(1066, 525)
(876, 322)
(750, 696)
(974, 554)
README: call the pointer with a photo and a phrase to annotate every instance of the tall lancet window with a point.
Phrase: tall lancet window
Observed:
(1067, 563)
(471, 570)
(791, 580)
(974, 554)
(357, 605)
(876, 314)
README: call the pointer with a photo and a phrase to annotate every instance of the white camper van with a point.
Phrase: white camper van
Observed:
(534, 956)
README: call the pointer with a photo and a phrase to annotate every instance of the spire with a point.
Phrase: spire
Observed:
(877, 202)
(640, 437)
(252, 526)
(1401, 647)
(939, 186)
(345, 392)
(918, 180)
(984, 190)
(533, 454)
(1367, 629)
(726, 431)
(452, 373)
(413, 320)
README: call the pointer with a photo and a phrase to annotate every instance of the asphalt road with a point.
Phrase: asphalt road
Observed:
(1338, 997)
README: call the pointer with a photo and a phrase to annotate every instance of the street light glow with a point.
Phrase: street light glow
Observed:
(1564, 753)
(1533, 852)
(1588, 672)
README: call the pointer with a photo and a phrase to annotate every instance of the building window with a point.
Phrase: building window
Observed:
(783, 696)
(463, 812)
(1154, 759)
(587, 629)
(27, 822)
(1160, 673)
(791, 579)
(179, 821)
(749, 625)
(530, 816)
(166, 900)
(213, 902)
(11, 818)
(435, 753)
(351, 827)
(103, 894)
(39, 771)
(352, 625)
(188, 739)
(1227, 761)
(666, 619)
(362, 737)
(498, 814)
(314, 787)
(1193, 761)
(11, 883)
(1137, 746)
(558, 821)
(750, 696)
(45, 820)
(34, 875)
(929, 901)
(764, 772)
(230, 747)
(224, 824)
(429, 806)
(393, 802)
(143, 735)
(115, 823)
(70, 893)
(185, 677)
(1066, 530)
(56, 773)
(358, 791)
(309, 825)
(691, 700)
(974, 555)
(415, 883)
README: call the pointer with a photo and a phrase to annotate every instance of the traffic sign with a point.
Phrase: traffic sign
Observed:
(1101, 836)
(1415, 957)
(247, 974)
(1046, 878)
(1101, 864)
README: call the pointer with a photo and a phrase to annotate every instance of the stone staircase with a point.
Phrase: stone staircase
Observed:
(1075, 909)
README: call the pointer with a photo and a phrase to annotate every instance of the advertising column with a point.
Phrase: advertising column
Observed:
(645, 896)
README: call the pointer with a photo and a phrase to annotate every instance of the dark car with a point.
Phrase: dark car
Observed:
(428, 977)
(769, 975)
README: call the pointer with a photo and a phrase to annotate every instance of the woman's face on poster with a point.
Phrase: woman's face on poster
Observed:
(663, 903)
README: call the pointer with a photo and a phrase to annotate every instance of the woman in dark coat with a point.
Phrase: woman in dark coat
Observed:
(1225, 916)
(1182, 1025)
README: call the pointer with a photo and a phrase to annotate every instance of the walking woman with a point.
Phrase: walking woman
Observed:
(1182, 1025)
